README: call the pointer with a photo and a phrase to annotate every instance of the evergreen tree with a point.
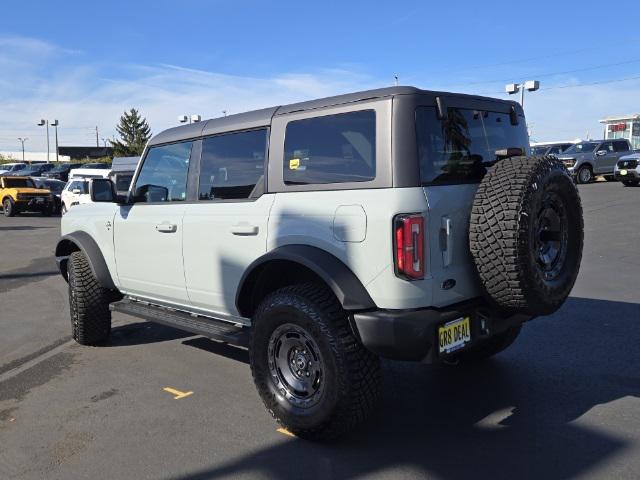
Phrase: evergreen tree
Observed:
(134, 134)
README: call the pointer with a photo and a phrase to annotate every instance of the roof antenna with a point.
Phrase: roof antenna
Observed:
(396, 77)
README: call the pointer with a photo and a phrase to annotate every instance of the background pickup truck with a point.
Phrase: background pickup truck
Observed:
(585, 160)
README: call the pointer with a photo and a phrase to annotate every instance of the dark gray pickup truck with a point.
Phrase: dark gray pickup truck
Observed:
(587, 159)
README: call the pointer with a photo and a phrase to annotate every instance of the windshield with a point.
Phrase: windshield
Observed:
(585, 147)
(55, 187)
(459, 148)
(18, 183)
(539, 150)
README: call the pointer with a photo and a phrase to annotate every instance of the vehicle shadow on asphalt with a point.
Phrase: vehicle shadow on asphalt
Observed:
(142, 333)
(516, 416)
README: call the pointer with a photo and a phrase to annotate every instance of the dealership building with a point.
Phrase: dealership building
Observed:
(627, 126)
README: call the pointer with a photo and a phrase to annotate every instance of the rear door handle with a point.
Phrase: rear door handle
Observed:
(166, 227)
(245, 230)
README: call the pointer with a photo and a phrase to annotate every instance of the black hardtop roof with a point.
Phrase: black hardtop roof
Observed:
(261, 118)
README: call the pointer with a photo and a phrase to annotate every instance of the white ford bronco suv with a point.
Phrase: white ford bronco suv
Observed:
(397, 223)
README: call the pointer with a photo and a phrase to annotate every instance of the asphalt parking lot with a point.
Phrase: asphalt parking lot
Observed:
(563, 402)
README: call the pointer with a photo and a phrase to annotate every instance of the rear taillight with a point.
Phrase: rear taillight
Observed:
(409, 246)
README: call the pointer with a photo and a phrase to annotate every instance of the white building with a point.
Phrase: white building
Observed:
(33, 156)
(625, 126)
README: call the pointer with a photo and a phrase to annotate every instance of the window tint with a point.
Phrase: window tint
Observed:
(554, 150)
(163, 177)
(621, 146)
(123, 181)
(608, 146)
(331, 149)
(232, 164)
(462, 146)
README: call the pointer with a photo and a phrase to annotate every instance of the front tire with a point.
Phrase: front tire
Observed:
(630, 183)
(9, 208)
(314, 377)
(584, 175)
(88, 303)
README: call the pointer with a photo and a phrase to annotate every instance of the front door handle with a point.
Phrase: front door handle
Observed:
(166, 227)
(244, 229)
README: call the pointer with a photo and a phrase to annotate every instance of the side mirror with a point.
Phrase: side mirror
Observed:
(601, 153)
(102, 190)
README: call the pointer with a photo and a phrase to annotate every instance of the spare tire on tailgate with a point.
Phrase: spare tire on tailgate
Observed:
(526, 234)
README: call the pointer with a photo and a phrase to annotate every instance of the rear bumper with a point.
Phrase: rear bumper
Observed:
(413, 334)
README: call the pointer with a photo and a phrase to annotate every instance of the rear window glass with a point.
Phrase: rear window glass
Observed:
(331, 149)
(462, 146)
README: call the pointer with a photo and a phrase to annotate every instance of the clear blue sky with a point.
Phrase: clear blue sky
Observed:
(88, 61)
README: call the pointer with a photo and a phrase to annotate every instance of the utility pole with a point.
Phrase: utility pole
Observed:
(396, 78)
(22, 140)
(97, 141)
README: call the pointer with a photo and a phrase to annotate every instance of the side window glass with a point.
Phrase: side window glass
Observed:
(331, 149)
(621, 146)
(163, 177)
(608, 146)
(232, 165)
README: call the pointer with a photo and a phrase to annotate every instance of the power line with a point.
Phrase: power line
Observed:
(550, 74)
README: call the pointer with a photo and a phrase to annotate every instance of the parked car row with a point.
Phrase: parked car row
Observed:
(38, 188)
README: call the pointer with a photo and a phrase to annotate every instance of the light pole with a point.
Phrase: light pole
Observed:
(41, 123)
(22, 140)
(55, 123)
(189, 118)
(529, 85)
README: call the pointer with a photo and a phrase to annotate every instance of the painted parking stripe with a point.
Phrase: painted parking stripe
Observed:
(286, 432)
(178, 394)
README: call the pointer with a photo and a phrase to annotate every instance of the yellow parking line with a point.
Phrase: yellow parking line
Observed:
(284, 431)
(178, 394)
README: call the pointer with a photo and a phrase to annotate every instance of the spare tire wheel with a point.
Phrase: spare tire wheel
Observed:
(526, 234)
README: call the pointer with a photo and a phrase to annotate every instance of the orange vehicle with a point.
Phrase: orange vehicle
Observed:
(20, 194)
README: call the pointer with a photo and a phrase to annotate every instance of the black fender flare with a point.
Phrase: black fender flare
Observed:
(86, 244)
(339, 278)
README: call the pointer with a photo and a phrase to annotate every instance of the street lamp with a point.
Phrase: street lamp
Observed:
(42, 123)
(22, 140)
(55, 123)
(529, 85)
(189, 118)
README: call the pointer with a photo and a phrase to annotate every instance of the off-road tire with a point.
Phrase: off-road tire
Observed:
(581, 177)
(491, 346)
(9, 208)
(508, 226)
(63, 209)
(88, 303)
(47, 211)
(631, 183)
(352, 377)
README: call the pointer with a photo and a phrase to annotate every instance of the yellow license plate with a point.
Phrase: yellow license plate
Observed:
(623, 172)
(454, 335)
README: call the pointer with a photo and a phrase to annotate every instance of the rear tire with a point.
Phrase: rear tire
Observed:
(9, 208)
(314, 377)
(584, 175)
(630, 183)
(88, 303)
(526, 234)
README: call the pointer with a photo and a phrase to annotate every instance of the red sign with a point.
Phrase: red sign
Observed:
(618, 127)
